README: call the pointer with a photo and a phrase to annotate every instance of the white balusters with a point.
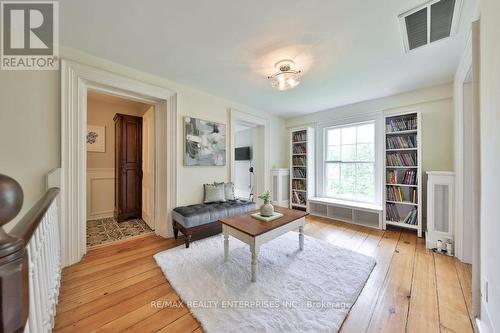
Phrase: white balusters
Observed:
(44, 273)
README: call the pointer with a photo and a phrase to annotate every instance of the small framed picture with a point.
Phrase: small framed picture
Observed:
(96, 138)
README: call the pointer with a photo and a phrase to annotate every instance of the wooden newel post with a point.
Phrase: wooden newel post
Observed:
(14, 285)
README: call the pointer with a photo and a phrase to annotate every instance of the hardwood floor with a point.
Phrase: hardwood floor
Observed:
(411, 289)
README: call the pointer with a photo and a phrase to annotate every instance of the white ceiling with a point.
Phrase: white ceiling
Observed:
(349, 51)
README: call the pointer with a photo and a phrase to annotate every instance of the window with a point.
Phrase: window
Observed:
(350, 162)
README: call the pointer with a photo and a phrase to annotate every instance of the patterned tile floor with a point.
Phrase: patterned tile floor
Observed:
(107, 230)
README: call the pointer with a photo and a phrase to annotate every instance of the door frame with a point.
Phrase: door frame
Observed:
(468, 182)
(262, 183)
(462, 148)
(146, 143)
(76, 80)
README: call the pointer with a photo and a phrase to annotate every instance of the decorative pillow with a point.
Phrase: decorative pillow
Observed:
(229, 191)
(214, 193)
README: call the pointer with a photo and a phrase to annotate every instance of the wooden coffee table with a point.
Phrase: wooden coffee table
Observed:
(255, 232)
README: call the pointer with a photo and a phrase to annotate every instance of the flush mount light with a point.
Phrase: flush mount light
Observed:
(286, 77)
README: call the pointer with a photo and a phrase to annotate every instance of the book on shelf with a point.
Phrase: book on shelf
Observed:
(298, 198)
(401, 159)
(299, 160)
(395, 194)
(409, 177)
(414, 195)
(298, 184)
(392, 213)
(401, 142)
(299, 136)
(411, 218)
(392, 177)
(401, 124)
(299, 172)
(299, 148)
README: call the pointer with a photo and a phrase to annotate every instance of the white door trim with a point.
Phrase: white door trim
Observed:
(235, 116)
(468, 150)
(76, 80)
(461, 75)
(148, 166)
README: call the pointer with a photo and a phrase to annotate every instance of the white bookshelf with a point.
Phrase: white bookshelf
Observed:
(301, 167)
(403, 170)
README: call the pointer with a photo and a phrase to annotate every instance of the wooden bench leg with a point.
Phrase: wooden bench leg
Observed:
(188, 240)
(176, 230)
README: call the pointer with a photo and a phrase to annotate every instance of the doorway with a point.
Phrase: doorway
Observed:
(76, 81)
(120, 174)
(245, 159)
(252, 134)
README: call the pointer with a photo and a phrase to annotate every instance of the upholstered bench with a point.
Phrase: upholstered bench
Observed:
(205, 217)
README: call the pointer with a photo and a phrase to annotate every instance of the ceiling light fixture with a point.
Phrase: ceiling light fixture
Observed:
(286, 77)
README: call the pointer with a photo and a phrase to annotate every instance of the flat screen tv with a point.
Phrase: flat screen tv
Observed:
(242, 154)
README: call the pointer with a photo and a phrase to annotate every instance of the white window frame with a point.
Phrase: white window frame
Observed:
(326, 162)
(343, 120)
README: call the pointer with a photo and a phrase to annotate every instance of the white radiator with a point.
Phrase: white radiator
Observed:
(44, 272)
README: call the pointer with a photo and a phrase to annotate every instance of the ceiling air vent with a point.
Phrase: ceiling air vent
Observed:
(430, 22)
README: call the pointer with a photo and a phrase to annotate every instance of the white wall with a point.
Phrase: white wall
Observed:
(490, 161)
(242, 179)
(30, 126)
(436, 105)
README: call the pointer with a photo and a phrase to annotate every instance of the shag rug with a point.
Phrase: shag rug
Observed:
(296, 291)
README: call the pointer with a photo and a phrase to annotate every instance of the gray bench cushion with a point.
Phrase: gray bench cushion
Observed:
(194, 215)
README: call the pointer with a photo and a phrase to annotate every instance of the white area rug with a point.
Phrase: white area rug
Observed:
(296, 291)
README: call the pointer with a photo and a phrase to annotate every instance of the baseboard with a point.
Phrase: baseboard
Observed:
(484, 324)
(482, 327)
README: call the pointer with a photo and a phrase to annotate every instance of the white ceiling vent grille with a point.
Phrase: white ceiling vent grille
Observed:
(433, 21)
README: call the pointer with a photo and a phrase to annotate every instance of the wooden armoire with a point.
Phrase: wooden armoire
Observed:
(128, 167)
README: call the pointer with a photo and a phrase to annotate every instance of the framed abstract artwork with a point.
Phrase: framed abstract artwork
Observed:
(96, 139)
(205, 143)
